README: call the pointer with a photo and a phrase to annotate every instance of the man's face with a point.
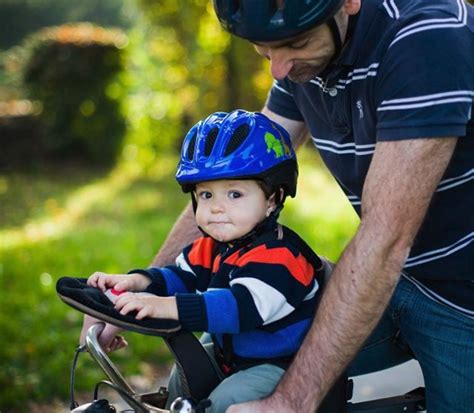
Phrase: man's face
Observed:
(301, 58)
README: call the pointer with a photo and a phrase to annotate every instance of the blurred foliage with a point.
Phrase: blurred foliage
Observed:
(18, 18)
(71, 222)
(181, 67)
(70, 71)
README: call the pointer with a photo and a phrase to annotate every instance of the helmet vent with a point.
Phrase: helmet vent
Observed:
(210, 141)
(191, 147)
(237, 138)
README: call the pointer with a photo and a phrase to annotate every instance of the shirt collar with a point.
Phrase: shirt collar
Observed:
(359, 27)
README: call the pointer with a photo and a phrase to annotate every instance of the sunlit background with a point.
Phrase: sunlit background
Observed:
(95, 98)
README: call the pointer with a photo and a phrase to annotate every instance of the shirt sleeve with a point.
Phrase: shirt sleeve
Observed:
(425, 85)
(280, 100)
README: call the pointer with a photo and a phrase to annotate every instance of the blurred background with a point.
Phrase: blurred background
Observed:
(95, 98)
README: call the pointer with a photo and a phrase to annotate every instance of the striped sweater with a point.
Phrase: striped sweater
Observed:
(262, 295)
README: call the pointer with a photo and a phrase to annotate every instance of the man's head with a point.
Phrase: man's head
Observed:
(234, 148)
(300, 38)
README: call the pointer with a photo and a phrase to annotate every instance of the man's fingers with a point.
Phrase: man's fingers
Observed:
(117, 343)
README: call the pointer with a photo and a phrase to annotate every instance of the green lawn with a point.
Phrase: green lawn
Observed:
(75, 221)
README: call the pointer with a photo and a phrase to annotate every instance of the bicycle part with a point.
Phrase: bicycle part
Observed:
(407, 403)
(117, 380)
(183, 405)
(198, 374)
(73, 404)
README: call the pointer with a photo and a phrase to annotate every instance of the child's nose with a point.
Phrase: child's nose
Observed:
(217, 206)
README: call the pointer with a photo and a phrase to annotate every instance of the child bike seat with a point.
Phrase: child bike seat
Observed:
(92, 301)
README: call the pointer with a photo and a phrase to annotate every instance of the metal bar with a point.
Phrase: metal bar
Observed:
(96, 352)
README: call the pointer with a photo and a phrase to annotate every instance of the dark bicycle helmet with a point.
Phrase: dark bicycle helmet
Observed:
(269, 20)
(238, 145)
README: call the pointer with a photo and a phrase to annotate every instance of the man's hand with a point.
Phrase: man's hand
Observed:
(109, 339)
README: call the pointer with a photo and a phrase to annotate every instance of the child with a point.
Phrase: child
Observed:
(248, 281)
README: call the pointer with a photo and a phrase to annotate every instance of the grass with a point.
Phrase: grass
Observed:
(74, 222)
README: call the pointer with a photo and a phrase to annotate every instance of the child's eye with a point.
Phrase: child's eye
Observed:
(204, 195)
(234, 194)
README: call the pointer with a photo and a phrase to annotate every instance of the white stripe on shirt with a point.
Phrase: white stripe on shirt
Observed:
(431, 24)
(455, 181)
(392, 9)
(440, 252)
(340, 148)
(271, 304)
(183, 264)
(427, 100)
(436, 297)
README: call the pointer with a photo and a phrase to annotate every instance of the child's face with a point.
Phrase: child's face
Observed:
(229, 209)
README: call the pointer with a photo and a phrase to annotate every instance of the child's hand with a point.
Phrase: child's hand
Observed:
(147, 305)
(121, 282)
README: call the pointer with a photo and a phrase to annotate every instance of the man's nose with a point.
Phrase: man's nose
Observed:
(280, 64)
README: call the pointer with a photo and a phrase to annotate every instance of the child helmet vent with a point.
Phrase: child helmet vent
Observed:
(237, 138)
(191, 147)
(210, 141)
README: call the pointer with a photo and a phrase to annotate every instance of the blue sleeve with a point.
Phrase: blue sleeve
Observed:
(214, 311)
(164, 281)
(222, 311)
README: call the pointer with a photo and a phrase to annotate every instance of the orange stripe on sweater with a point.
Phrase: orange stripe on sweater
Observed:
(201, 252)
(298, 266)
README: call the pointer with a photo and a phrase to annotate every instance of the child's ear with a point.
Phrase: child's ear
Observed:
(272, 201)
(271, 204)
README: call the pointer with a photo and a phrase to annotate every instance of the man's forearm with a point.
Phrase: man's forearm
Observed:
(353, 302)
(183, 233)
(397, 191)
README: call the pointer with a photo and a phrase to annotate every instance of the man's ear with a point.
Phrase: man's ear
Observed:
(352, 7)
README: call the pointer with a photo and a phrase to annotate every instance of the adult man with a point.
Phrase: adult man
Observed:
(385, 89)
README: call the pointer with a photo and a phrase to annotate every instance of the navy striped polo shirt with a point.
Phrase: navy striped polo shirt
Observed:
(407, 72)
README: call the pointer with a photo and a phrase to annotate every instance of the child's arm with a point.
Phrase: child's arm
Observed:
(121, 282)
(147, 305)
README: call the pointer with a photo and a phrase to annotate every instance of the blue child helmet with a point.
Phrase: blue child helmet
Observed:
(270, 20)
(238, 145)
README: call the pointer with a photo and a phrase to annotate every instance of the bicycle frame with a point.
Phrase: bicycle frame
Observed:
(142, 403)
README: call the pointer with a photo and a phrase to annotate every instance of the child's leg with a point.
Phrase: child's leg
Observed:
(246, 385)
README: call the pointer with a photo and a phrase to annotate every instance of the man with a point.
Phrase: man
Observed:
(385, 89)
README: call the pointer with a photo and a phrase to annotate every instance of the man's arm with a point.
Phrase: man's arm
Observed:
(399, 186)
(183, 233)
(296, 129)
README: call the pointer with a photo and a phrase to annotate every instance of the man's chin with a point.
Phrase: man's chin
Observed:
(306, 75)
(301, 78)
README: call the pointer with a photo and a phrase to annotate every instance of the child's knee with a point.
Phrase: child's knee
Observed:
(221, 400)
